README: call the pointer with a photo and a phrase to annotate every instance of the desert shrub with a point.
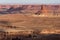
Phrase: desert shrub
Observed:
(4, 22)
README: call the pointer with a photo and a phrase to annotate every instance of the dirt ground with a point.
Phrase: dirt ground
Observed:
(28, 22)
(40, 25)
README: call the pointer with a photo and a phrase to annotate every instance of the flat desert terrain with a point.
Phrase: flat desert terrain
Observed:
(14, 23)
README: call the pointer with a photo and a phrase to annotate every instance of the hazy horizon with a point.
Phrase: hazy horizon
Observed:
(29, 1)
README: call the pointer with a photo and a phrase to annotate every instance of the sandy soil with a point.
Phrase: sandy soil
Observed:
(18, 22)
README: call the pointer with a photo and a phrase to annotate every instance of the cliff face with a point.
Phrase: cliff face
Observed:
(34, 9)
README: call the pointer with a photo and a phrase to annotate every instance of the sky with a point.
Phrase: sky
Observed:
(29, 1)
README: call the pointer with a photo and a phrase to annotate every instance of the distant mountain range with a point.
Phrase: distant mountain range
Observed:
(30, 9)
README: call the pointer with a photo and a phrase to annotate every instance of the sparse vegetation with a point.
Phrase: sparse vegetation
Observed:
(37, 24)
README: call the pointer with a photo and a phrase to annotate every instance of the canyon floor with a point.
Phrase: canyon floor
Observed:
(18, 22)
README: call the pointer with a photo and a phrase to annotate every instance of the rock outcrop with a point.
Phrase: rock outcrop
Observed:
(31, 9)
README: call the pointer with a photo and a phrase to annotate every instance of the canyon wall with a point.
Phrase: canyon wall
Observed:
(35, 9)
